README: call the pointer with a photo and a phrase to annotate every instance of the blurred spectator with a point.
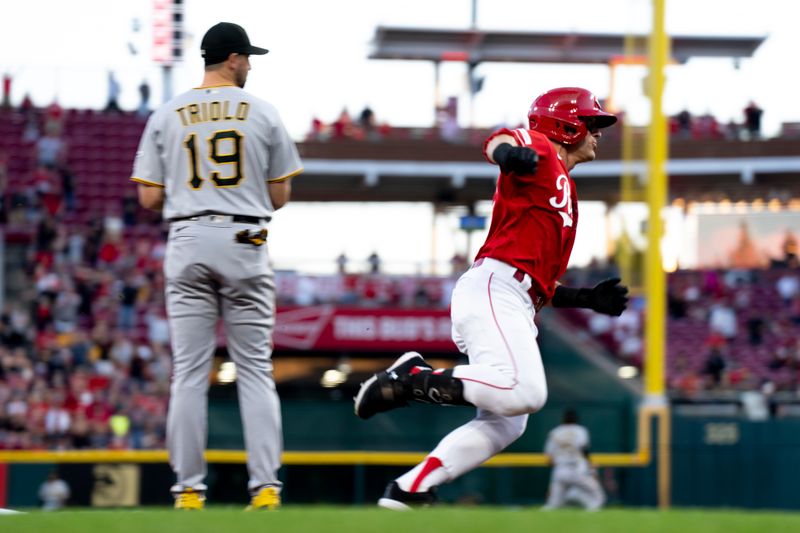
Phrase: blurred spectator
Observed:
(794, 311)
(789, 248)
(317, 132)
(113, 93)
(788, 286)
(684, 124)
(350, 295)
(711, 284)
(707, 127)
(47, 187)
(421, 297)
(51, 151)
(157, 327)
(755, 328)
(343, 127)
(714, 366)
(628, 336)
(752, 120)
(144, 99)
(68, 187)
(57, 419)
(46, 234)
(54, 119)
(683, 379)
(364, 127)
(305, 291)
(722, 319)
(54, 492)
(128, 296)
(6, 103)
(4, 197)
(366, 122)
(26, 107)
(676, 304)
(341, 263)
(65, 311)
(110, 250)
(447, 121)
(732, 131)
(31, 132)
(80, 431)
(130, 207)
(374, 262)
(458, 264)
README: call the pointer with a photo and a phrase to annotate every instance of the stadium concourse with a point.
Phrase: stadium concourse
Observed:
(84, 359)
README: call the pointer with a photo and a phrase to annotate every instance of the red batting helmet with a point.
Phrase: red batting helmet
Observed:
(557, 114)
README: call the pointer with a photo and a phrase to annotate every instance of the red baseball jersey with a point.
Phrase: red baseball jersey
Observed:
(534, 216)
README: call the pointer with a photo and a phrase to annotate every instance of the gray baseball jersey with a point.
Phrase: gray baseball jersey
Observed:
(215, 150)
(206, 142)
(565, 444)
(572, 477)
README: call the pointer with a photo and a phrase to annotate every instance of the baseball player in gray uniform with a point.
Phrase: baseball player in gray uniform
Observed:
(573, 477)
(218, 162)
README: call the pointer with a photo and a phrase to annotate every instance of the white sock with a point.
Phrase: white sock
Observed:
(429, 473)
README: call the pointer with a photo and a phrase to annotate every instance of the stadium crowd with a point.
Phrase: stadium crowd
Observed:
(682, 126)
(84, 340)
(84, 359)
(727, 329)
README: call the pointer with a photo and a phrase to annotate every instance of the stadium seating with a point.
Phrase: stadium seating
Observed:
(40, 356)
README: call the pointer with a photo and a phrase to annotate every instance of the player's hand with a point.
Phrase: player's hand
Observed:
(516, 159)
(609, 297)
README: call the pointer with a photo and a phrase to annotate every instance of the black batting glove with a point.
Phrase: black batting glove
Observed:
(607, 297)
(516, 159)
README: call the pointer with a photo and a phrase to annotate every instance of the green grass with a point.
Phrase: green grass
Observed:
(298, 519)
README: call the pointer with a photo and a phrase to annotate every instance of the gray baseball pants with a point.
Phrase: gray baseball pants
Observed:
(209, 275)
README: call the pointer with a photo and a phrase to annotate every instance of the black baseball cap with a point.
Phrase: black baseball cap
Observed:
(224, 39)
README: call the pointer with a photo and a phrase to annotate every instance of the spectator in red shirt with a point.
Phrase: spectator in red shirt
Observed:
(109, 252)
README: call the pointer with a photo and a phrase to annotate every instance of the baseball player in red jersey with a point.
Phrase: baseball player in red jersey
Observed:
(493, 305)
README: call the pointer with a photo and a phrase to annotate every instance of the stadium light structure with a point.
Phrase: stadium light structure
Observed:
(168, 17)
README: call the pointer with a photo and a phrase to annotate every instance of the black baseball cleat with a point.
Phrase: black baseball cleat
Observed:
(397, 499)
(385, 391)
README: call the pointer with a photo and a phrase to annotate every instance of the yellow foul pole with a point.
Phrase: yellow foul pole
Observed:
(655, 278)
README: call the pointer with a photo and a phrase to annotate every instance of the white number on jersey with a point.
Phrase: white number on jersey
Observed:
(562, 184)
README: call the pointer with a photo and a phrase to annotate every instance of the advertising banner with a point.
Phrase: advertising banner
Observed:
(326, 327)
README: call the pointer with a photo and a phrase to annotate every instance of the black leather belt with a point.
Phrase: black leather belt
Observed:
(244, 219)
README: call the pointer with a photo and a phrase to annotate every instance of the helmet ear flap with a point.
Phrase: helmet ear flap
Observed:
(559, 130)
(574, 131)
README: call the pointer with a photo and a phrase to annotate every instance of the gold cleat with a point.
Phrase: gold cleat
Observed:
(267, 499)
(190, 500)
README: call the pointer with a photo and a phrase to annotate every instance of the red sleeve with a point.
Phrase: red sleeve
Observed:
(523, 137)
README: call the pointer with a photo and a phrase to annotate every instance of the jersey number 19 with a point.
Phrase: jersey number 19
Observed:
(234, 157)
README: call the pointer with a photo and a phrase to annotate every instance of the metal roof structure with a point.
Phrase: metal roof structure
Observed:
(461, 182)
(476, 46)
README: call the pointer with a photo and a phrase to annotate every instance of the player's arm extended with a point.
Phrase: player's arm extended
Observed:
(607, 297)
(151, 196)
(279, 193)
(504, 152)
